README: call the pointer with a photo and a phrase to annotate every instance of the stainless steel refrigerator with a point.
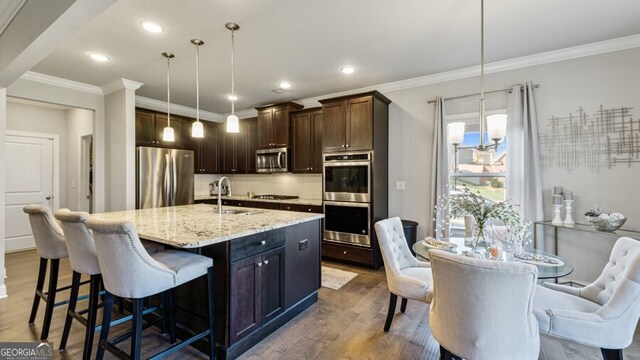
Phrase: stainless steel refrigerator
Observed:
(164, 177)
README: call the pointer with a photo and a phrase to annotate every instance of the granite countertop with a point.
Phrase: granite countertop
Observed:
(193, 226)
(315, 202)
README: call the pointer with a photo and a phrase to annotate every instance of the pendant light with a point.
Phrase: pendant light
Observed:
(197, 129)
(233, 123)
(167, 133)
(496, 125)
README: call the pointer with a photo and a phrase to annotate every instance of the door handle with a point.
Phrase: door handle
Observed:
(49, 197)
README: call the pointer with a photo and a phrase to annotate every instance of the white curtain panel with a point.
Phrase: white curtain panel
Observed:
(524, 179)
(440, 173)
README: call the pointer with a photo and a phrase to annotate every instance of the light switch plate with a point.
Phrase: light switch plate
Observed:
(400, 185)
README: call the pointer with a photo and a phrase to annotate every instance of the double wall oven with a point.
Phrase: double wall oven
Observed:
(347, 198)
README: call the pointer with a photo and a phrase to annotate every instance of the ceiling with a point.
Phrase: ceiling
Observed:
(306, 42)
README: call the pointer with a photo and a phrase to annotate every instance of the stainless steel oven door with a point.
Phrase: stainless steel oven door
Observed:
(346, 222)
(347, 181)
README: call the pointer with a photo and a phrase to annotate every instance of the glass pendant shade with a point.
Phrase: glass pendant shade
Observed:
(497, 126)
(455, 133)
(233, 124)
(197, 129)
(168, 134)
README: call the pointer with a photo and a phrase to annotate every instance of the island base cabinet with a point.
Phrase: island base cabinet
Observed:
(256, 292)
(261, 282)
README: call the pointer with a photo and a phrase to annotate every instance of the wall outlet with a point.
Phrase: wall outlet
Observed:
(303, 244)
(400, 185)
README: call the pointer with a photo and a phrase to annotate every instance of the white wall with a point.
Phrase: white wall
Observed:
(609, 79)
(3, 120)
(79, 124)
(37, 91)
(42, 119)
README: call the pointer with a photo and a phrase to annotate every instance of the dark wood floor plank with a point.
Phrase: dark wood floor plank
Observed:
(343, 324)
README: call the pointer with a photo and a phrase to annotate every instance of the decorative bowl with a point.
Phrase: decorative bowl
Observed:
(610, 224)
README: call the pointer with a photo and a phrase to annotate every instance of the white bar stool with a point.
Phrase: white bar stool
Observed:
(128, 271)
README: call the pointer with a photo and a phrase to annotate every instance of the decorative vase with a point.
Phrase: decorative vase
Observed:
(479, 239)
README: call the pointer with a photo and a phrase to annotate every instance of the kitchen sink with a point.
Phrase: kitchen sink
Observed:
(238, 212)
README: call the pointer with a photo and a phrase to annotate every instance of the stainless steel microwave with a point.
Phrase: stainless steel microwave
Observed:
(272, 160)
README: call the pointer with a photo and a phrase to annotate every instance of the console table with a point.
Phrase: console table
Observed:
(578, 227)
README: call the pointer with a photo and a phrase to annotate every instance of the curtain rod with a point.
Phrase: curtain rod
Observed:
(509, 90)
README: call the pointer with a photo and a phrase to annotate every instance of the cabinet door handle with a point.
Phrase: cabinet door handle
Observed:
(263, 242)
(266, 262)
(342, 145)
(345, 252)
(347, 145)
(311, 168)
(309, 209)
(259, 264)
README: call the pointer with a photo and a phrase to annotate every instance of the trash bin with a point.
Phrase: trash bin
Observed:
(410, 229)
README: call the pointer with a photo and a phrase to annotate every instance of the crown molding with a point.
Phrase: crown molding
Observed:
(157, 105)
(60, 82)
(121, 84)
(597, 48)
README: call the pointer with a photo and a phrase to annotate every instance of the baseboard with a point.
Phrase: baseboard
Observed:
(19, 244)
(3, 291)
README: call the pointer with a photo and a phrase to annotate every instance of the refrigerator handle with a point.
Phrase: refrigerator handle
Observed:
(167, 180)
(174, 179)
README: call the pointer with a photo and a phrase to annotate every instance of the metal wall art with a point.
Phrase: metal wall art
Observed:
(605, 139)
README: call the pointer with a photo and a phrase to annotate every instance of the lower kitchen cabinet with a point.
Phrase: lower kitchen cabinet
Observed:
(261, 282)
(257, 291)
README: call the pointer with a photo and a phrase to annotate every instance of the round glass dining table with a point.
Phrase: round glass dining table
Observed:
(545, 271)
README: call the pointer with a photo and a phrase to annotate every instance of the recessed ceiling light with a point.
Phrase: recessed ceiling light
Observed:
(284, 85)
(232, 97)
(98, 57)
(151, 26)
(347, 70)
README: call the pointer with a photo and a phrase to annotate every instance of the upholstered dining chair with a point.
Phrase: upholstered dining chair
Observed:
(51, 246)
(603, 314)
(406, 276)
(482, 309)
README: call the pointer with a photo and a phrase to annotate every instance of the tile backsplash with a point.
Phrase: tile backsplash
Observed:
(306, 186)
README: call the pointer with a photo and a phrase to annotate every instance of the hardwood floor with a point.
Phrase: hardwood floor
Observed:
(344, 324)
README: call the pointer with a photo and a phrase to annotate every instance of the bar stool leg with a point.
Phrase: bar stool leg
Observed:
(136, 328)
(169, 317)
(42, 272)
(94, 295)
(212, 321)
(107, 309)
(51, 298)
(73, 300)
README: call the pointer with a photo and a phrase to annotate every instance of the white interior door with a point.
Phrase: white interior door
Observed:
(29, 180)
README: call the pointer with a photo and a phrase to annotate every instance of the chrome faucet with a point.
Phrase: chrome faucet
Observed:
(220, 192)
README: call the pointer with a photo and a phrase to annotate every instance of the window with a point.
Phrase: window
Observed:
(483, 171)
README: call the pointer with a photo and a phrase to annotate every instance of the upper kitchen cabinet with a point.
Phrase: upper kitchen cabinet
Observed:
(205, 149)
(273, 124)
(149, 127)
(238, 151)
(355, 122)
(306, 139)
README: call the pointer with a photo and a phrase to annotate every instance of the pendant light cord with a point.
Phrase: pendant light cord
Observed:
(482, 74)
(168, 94)
(197, 82)
(233, 83)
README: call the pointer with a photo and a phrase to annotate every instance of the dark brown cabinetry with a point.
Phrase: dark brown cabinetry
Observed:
(205, 149)
(257, 291)
(273, 125)
(350, 122)
(149, 128)
(238, 150)
(306, 139)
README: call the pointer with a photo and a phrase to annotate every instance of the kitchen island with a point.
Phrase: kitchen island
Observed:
(267, 265)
